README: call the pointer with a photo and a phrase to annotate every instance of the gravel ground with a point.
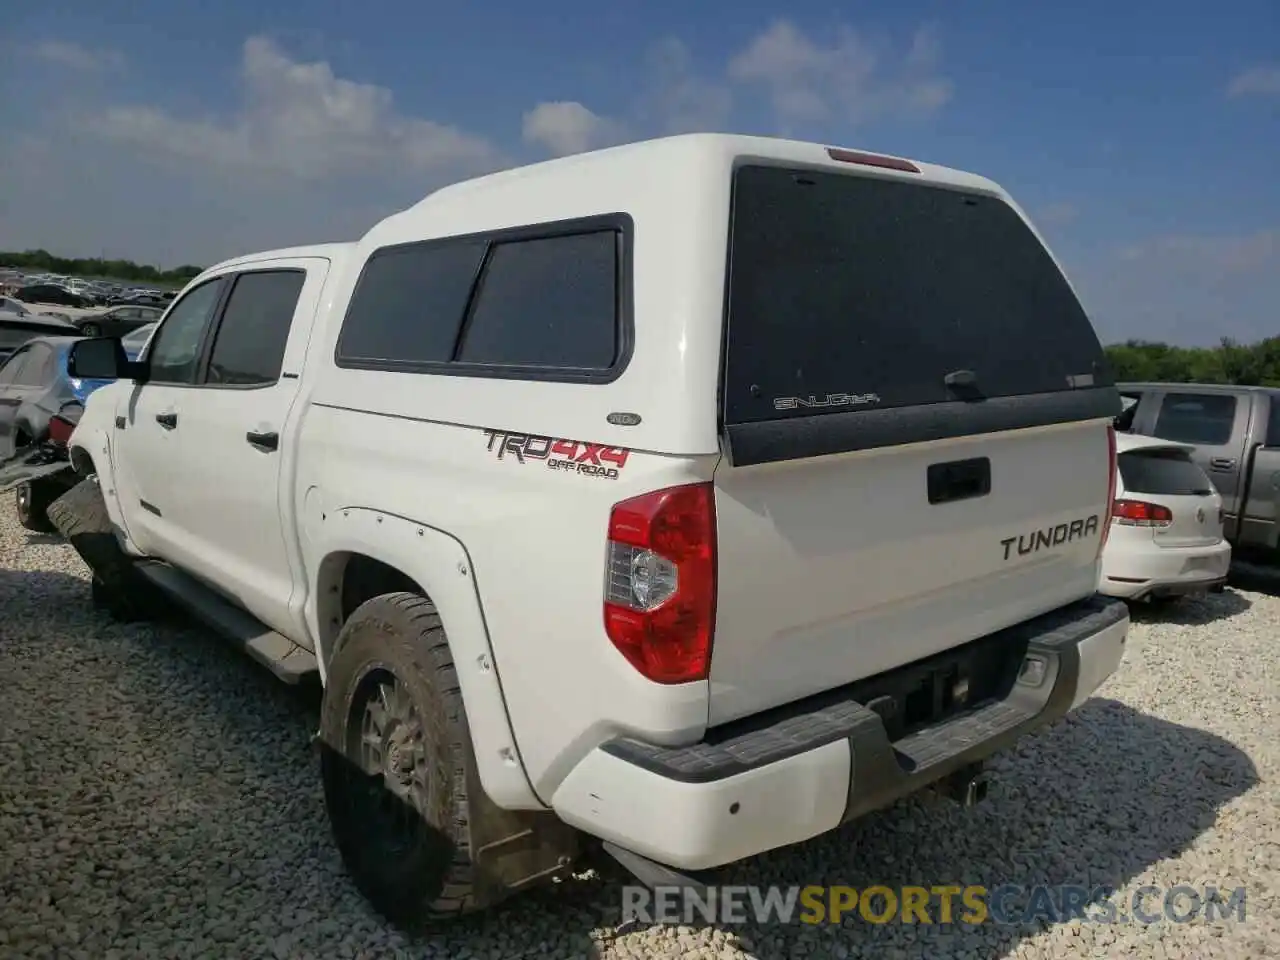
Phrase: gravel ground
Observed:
(158, 799)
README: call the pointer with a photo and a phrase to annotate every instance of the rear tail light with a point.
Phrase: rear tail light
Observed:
(60, 430)
(1139, 513)
(1112, 468)
(660, 591)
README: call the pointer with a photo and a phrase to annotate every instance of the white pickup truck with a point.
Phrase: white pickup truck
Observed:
(695, 496)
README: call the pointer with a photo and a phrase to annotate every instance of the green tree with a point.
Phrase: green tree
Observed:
(1256, 364)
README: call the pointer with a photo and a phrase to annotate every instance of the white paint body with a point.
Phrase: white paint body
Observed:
(1190, 554)
(828, 571)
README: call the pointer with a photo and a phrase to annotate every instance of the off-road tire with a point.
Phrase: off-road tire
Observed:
(432, 879)
(80, 515)
(31, 502)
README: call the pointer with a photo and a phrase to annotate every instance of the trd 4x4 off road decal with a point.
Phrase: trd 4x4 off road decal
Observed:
(569, 456)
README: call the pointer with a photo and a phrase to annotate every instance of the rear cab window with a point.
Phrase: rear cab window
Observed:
(882, 310)
(1162, 472)
(1205, 419)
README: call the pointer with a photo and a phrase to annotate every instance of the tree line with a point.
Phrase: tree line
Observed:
(1252, 364)
(43, 260)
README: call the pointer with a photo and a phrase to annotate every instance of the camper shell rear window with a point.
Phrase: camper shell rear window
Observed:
(881, 311)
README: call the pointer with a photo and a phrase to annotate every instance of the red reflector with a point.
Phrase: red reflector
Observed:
(871, 160)
(1139, 513)
(60, 430)
(660, 593)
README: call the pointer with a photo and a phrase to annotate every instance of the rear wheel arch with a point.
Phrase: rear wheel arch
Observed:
(365, 554)
(347, 579)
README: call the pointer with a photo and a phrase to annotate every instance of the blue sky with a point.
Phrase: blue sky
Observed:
(1143, 138)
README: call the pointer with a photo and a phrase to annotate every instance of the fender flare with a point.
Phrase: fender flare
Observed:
(439, 563)
(90, 453)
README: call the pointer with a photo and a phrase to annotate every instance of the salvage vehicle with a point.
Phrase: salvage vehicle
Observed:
(681, 500)
(1234, 433)
(1167, 525)
(38, 400)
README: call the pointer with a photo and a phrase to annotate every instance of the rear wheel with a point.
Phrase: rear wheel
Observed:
(395, 754)
(91, 330)
(31, 501)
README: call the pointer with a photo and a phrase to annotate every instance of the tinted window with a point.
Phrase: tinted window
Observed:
(249, 347)
(549, 302)
(409, 303)
(174, 354)
(1202, 418)
(879, 289)
(1168, 472)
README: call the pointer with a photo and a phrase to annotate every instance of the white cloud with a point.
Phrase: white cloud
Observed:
(73, 56)
(1256, 81)
(300, 119)
(564, 127)
(853, 79)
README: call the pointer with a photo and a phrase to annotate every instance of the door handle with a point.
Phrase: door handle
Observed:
(1221, 463)
(167, 420)
(263, 441)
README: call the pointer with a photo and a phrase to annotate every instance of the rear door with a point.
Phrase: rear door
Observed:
(917, 417)
(1261, 514)
(1216, 423)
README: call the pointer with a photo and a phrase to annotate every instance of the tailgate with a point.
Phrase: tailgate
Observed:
(916, 413)
(837, 569)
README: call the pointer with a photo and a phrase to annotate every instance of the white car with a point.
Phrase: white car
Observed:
(1166, 525)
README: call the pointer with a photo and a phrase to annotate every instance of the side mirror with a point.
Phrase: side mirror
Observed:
(101, 358)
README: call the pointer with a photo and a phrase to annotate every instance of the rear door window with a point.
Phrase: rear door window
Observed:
(1158, 472)
(1205, 419)
(248, 349)
(856, 293)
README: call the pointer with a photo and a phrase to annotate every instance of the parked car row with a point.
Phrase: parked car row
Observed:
(80, 293)
(802, 567)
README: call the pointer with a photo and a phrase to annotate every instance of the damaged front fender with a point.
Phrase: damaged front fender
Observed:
(45, 458)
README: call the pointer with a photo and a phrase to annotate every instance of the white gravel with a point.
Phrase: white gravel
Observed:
(158, 799)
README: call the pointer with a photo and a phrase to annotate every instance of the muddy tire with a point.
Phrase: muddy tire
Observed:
(80, 515)
(395, 755)
(31, 502)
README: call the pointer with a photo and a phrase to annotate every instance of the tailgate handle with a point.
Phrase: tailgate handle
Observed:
(1222, 463)
(959, 480)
